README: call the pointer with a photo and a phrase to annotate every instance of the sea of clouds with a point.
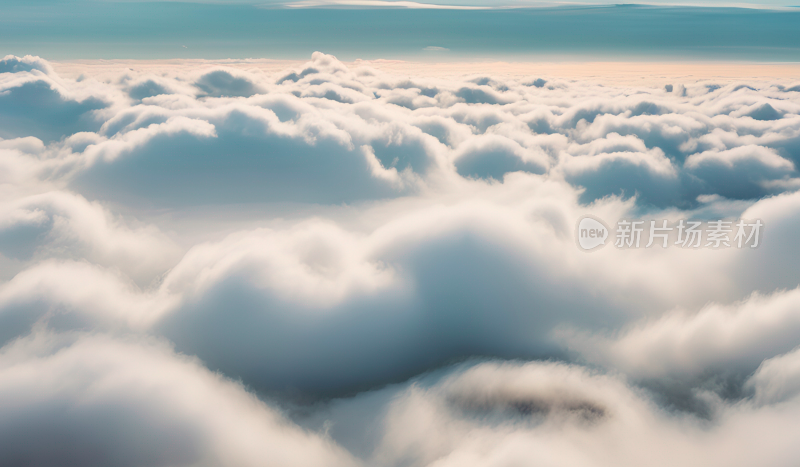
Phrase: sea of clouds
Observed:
(337, 266)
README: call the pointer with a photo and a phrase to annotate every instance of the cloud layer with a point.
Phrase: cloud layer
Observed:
(334, 265)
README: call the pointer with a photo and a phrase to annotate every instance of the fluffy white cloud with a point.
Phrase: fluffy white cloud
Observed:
(63, 225)
(330, 229)
(777, 379)
(718, 338)
(325, 118)
(94, 400)
(494, 414)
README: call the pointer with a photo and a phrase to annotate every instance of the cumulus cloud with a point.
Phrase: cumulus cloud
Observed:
(735, 338)
(337, 238)
(94, 400)
(493, 413)
(34, 101)
(332, 118)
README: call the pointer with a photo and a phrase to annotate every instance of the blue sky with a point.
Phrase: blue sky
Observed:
(146, 30)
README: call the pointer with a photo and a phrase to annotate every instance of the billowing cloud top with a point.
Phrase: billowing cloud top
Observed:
(337, 265)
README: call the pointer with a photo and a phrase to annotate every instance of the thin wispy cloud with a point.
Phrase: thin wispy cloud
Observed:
(381, 4)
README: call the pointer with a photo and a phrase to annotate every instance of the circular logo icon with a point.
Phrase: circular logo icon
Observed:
(591, 233)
